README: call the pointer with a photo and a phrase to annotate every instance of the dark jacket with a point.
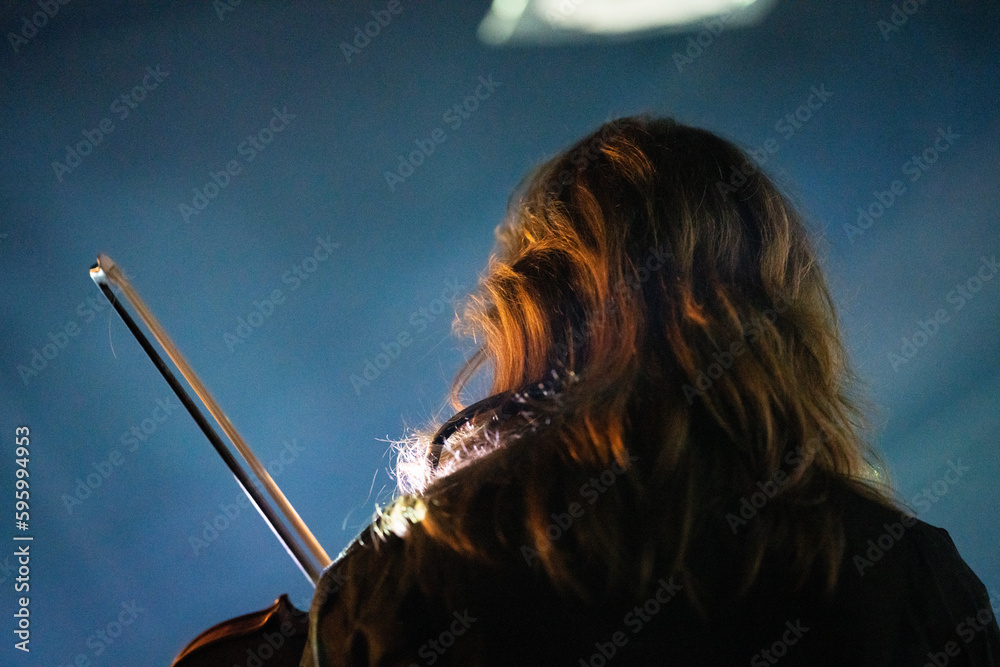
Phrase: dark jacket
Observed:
(905, 597)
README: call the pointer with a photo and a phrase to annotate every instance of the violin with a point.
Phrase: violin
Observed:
(277, 635)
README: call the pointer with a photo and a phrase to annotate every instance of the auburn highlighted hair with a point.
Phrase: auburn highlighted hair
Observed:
(675, 293)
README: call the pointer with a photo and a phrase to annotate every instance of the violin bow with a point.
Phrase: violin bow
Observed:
(279, 514)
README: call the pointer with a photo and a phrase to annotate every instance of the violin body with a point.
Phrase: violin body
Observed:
(275, 637)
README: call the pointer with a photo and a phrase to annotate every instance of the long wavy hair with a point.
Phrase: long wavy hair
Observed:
(676, 294)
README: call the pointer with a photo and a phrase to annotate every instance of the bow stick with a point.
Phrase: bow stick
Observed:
(293, 533)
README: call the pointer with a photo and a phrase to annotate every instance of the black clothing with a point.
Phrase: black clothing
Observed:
(904, 597)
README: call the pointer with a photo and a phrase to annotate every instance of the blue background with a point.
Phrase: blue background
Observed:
(287, 386)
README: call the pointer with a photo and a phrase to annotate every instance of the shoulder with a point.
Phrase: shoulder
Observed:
(393, 595)
(403, 600)
(431, 567)
(904, 587)
(362, 591)
(882, 537)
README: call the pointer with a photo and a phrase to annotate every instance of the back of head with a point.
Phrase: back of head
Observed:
(658, 267)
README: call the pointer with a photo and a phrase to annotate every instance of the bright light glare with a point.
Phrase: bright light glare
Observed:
(597, 16)
(503, 18)
(619, 16)
(510, 10)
